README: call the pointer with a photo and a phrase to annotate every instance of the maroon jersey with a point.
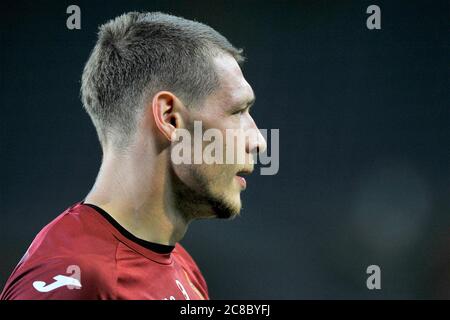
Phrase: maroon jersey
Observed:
(85, 254)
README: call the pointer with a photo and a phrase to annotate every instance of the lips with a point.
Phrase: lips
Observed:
(242, 182)
(244, 172)
(240, 179)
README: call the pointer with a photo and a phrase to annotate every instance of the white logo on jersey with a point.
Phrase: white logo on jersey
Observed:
(72, 282)
(182, 289)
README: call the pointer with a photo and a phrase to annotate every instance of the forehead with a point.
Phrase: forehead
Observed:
(234, 89)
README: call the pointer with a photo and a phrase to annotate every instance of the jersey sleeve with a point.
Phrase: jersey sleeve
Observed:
(58, 278)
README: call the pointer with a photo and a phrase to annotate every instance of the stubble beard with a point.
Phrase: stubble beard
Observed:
(201, 202)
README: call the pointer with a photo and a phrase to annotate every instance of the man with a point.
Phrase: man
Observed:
(149, 76)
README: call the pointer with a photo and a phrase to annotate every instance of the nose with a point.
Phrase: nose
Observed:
(256, 141)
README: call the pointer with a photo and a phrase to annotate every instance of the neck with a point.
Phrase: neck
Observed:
(137, 192)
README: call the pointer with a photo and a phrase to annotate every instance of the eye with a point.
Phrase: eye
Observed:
(240, 112)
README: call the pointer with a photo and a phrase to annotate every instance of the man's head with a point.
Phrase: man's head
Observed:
(176, 71)
(140, 54)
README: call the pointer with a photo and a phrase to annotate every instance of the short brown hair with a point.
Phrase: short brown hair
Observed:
(139, 54)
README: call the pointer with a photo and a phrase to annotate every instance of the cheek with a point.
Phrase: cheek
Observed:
(215, 172)
(201, 176)
(182, 173)
(218, 176)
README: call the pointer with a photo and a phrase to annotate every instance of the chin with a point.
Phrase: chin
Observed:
(226, 208)
(225, 214)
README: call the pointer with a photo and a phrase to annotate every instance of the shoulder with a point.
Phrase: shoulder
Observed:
(77, 231)
(71, 258)
(185, 258)
(191, 268)
(182, 252)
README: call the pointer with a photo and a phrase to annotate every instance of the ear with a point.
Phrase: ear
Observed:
(167, 113)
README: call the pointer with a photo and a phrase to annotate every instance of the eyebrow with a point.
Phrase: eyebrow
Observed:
(247, 104)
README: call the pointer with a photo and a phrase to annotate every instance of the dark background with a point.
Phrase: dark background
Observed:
(364, 142)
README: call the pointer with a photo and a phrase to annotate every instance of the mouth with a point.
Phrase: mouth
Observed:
(241, 180)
